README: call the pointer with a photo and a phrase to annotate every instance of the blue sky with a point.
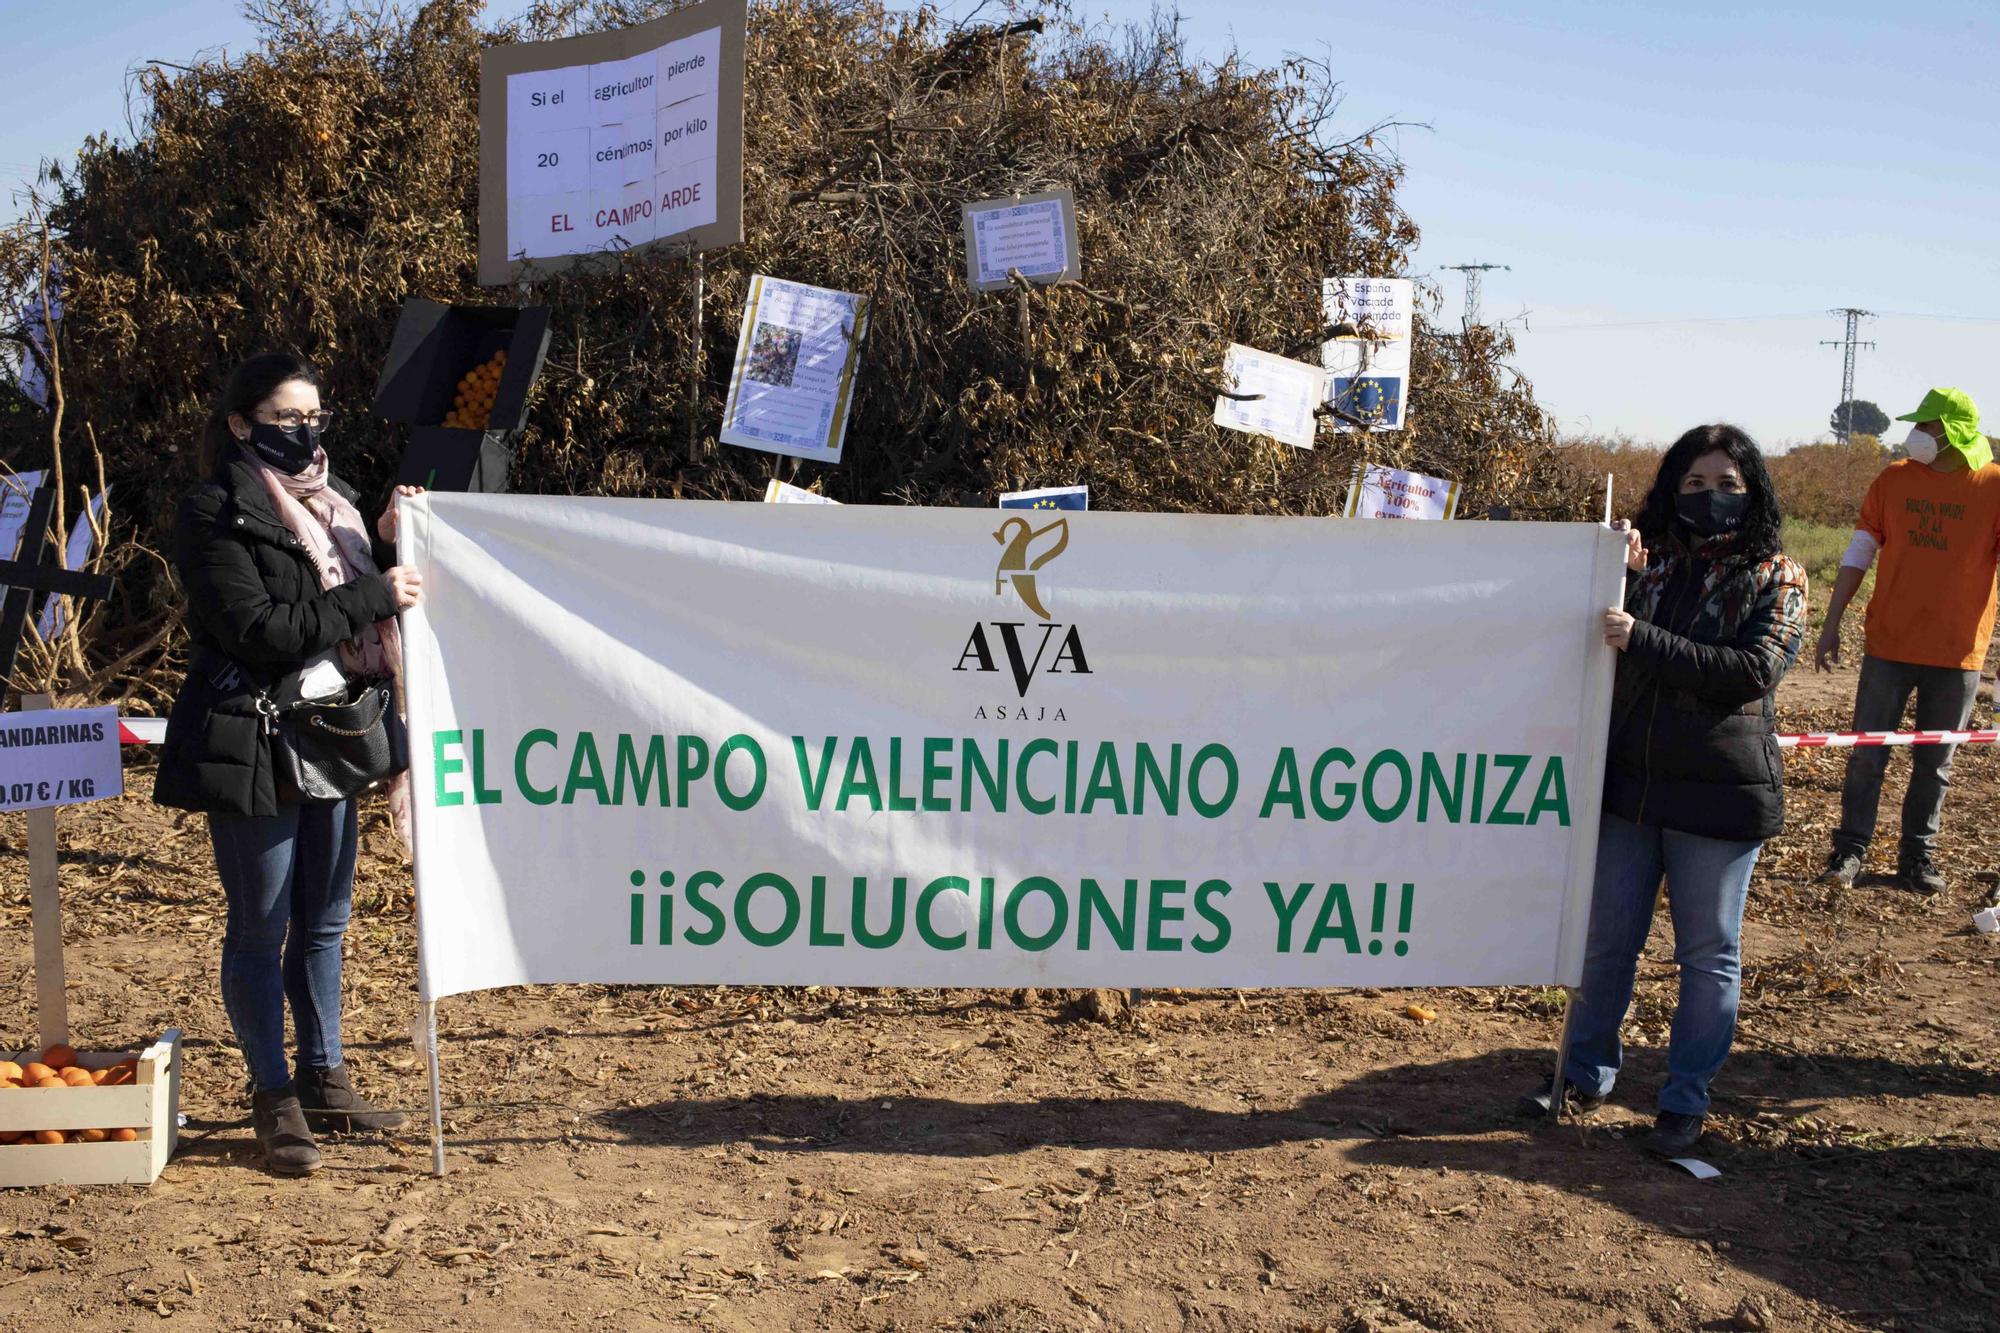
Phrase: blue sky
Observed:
(1682, 189)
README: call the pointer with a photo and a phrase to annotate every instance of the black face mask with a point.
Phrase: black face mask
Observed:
(290, 451)
(1712, 513)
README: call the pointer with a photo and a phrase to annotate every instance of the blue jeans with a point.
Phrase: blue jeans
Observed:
(289, 878)
(1707, 881)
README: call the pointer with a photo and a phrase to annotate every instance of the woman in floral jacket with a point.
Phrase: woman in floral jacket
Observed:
(1714, 615)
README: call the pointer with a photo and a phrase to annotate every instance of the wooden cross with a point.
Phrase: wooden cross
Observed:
(33, 574)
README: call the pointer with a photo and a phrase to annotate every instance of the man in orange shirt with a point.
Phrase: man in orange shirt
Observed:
(1934, 518)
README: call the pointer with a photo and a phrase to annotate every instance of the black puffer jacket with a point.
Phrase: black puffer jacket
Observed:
(255, 613)
(1692, 735)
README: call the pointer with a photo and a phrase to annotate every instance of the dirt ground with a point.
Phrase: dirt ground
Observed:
(626, 1158)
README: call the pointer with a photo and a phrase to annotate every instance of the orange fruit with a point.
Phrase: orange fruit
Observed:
(76, 1077)
(124, 1135)
(99, 1075)
(59, 1055)
(8, 1069)
(91, 1135)
(36, 1071)
(48, 1136)
(50, 1082)
(8, 1083)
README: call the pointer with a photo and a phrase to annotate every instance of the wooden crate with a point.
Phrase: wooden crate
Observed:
(150, 1105)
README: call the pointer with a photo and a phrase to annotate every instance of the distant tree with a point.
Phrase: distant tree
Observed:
(1631, 463)
(1868, 419)
(1824, 483)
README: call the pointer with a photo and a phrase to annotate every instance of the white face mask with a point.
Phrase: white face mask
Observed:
(1921, 445)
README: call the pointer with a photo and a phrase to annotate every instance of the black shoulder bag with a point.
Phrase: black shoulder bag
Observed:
(331, 749)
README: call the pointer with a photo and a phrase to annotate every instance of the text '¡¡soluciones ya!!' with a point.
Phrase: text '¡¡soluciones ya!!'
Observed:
(971, 775)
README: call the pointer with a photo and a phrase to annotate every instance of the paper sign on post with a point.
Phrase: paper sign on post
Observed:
(1384, 492)
(1368, 370)
(1035, 234)
(794, 375)
(784, 493)
(16, 492)
(612, 141)
(1289, 392)
(1047, 497)
(59, 756)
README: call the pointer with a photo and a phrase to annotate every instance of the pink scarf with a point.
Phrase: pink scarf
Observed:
(335, 539)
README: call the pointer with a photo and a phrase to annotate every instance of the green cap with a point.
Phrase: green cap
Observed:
(1954, 410)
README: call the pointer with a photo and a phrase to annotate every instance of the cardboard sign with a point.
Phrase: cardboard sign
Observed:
(1384, 492)
(793, 380)
(1368, 369)
(1034, 233)
(612, 141)
(59, 756)
(1285, 395)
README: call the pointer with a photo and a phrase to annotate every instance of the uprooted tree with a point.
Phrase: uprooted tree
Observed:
(294, 196)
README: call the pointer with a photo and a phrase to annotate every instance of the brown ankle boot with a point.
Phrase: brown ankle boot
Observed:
(332, 1106)
(282, 1132)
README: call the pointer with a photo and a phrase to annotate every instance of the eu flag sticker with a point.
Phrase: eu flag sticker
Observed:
(1048, 497)
(1377, 399)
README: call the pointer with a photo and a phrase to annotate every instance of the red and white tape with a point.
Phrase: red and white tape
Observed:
(141, 730)
(153, 730)
(1842, 740)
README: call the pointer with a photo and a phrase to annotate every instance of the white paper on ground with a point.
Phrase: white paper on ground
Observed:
(1695, 1167)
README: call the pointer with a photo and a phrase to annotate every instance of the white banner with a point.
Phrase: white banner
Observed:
(678, 741)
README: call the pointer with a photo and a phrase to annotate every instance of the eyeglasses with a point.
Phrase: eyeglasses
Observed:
(293, 420)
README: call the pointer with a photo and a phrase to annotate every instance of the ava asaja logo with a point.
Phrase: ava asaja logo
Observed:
(1026, 646)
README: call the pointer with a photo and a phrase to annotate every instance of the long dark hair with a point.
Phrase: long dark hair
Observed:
(249, 385)
(1762, 524)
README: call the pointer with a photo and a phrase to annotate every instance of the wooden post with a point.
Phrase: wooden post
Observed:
(51, 1004)
(1024, 327)
(698, 269)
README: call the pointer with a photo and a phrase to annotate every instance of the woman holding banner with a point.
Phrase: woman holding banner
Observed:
(1714, 615)
(291, 597)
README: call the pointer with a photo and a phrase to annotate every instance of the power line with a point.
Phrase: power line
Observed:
(1752, 319)
(1663, 323)
(1848, 345)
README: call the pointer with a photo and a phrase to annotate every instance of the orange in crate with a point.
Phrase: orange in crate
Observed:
(105, 1119)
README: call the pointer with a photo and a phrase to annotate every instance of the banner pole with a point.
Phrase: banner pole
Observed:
(1556, 1089)
(1607, 499)
(437, 1089)
(413, 545)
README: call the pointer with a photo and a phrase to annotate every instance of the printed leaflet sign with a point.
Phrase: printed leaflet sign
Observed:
(1368, 364)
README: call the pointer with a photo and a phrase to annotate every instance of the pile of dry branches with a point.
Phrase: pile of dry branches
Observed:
(292, 197)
